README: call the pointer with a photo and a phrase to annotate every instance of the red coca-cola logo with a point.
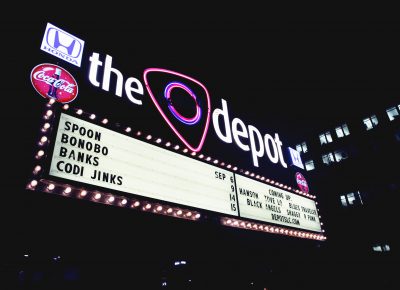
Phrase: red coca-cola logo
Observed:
(54, 82)
(302, 182)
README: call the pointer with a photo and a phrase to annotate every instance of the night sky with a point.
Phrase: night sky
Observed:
(290, 78)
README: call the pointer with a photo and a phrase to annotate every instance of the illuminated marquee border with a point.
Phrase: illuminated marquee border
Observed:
(80, 192)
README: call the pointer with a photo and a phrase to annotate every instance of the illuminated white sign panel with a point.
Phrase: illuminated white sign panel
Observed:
(263, 202)
(62, 44)
(91, 154)
(87, 153)
(296, 158)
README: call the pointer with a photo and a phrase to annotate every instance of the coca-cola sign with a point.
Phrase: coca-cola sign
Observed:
(54, 82)
(302, 182)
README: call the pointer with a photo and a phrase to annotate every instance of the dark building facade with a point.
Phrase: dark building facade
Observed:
(353, 166)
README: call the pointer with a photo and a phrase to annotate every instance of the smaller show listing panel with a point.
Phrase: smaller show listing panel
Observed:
(90, 154)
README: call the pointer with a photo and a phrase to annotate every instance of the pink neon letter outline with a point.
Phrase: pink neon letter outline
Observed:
(203, 137)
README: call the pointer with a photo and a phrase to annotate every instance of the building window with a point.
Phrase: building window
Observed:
(342, 131)
(343, 200)
(339, 155)
(370, 122)
(328, 158)
(325, 138)
(302, 147)
(381, 248)
(309, 165)
(351, 198)
(392, 113)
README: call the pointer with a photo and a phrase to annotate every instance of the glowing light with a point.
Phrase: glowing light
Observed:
(43, 140)
(33, 183)
(185, 150)
(138, 133)
(52, 101)
(83, 193)
(262, 178)
(148, 206)
(148, 137)
(216, 161)
(229, 222)
(37, 169)
(235, 223)
(179, 212)
(247, 173)
(158, 140)
(176, 147)
(104, 121)
(189, 214)
(68, 190)
(235, 168)
(49, 113)
(51, 186)
(92, 117)
(136, 203)
(79, 112)
(167, 94)
(228, 166)
(124, 201)
(159, 208)
(65, 107)
(193, 153)
(208, 158)
(252, 174)
(170, 210)
(201, 156)
(168, 144)
(97, 196)
(208, 111)
(197, 216)
(45, 127)
(258, 176)
(111, 199)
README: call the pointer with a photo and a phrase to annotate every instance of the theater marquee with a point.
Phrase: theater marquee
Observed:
(90, 154)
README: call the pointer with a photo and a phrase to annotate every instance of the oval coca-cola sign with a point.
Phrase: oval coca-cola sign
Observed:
(54, 82)
(301, 182)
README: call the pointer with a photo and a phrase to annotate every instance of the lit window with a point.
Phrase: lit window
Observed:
(328, 158)
(381, 248)
(325, 137)
(302, 147)
(377, 248)
(392, 113)
(343, 200)
(309, 165)
(370, 122)
(339, 155)
(351, 199)
(342, 131)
